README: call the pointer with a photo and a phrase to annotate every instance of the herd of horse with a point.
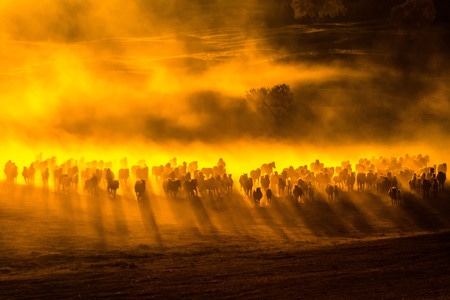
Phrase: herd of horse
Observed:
(383, 176)
(304, 183)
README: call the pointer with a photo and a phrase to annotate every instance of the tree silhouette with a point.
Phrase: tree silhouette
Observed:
(318, 9)
(414, 15)
(275, 104)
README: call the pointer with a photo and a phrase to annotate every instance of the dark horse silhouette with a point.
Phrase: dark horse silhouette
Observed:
(91, 185)
(426, 186)
(297, 192)
(394, 193)
(171, 187)
(190, 187)
(257, 196)
(441, 177)
(246, 184)
(269, 195)
(113, 185)
(139, 189)
(330, 189)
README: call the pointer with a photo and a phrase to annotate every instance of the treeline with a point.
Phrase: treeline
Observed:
(309, 11)
(363, 10)
(283, 12)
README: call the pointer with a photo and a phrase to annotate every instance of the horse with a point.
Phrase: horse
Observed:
(64, 182)
(211, 185)
(124, 174)
(45, 174)
(139, 189)
(281, 186)
(242, 179)
(255, 175)
(336, 191)
(228, 183)
(57, 172)
(139, 173)
(351, 181)
(257, 196)
(311, 192)
(190, 187)
(426, 186)
(413, 183)
(297, 192)
(268, 168)
(361, 181)
(113, 185)
(171, 187)
(338, 181)
(383, 184)
(330, 192)
(91, 185)
(28, 174)
(158, 172)
(394, 193)
(441, 177)
(269, 195)
(371, 178)
(11, 171)
(74, 178)
(246, 184)
(265, 182)
(303, 185)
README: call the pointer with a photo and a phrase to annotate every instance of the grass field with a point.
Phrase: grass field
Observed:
(57, 245)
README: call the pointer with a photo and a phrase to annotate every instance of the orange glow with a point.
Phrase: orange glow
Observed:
(114, 80)
(123, 121)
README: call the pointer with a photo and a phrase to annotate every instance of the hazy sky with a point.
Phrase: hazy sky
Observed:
(97, 73)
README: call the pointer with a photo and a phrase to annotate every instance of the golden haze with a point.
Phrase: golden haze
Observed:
(83, 79)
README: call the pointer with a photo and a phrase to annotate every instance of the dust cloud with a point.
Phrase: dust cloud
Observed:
(161, 79)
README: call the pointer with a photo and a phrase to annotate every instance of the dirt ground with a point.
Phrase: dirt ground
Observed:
(59, 245)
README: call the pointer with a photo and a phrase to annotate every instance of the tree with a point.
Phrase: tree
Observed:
(318, 9)
(275, 104)
(414, 15)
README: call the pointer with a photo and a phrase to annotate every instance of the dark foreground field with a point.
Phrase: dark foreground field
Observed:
(359, 246)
